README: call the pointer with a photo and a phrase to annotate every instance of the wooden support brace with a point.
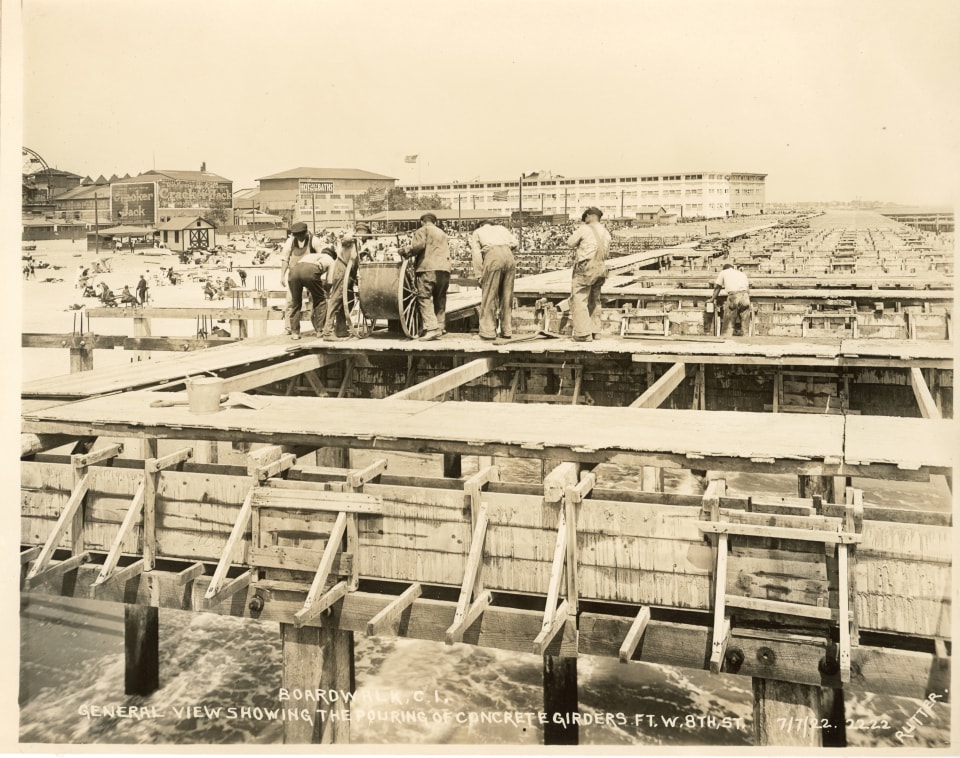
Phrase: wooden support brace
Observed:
(323, 570)
(635, 635)
(60, 528)
(556, 573)
(278, 371)
(96, 456)
(119, 576)
(307, 614)
(449, 380)
(347, 375)
(721, 625)
(853, 522)
(236, 536)
(471, 574)
(844, 601)
(928, 406)
(572, 498)
(710, 505)
(778, 606)
(358, 477)
(190, 574)
(57, 569)
(556, 482)
(473, 487)
(552, 628)
(776, 532)
(126, 528)
(30, 554)
(153, 465)
(287, 460)
(229, 589)
(353, 549)
(660, 390)
(472, 613)
(389, 615)
(577, 384)
(313, 379)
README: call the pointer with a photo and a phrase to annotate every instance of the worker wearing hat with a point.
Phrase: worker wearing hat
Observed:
(737, 305)
(299, 243)
(337, 324)
(591, 244)
(430, 250)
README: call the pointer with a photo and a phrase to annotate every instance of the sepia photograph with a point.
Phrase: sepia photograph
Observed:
(481, 377)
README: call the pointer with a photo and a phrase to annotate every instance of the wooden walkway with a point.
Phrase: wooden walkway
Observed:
(883, 447)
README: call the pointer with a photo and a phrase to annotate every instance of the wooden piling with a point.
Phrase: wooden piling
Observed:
(811, 486)
(560, 700)
(317, 659)
(81, 359)
(141, 644)
(452, 465)
(785, 713)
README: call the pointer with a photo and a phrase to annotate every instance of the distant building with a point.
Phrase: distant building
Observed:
(185, 232)
(148, 199)
(327, 194)
(707, 194)
(41, 187)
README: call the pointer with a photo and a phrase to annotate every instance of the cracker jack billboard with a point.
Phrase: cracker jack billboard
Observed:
(134, 203)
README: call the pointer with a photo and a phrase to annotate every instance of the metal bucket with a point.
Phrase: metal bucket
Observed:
(203, 394)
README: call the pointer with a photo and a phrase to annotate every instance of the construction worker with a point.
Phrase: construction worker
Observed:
(737, 285)
(431, 251)
(591, 243)
(336, 321)
(492, 246)
(294, 248)
(308, 273)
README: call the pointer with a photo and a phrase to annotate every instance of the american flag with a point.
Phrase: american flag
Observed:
(376, 195)
(411, 158)
(500, 196)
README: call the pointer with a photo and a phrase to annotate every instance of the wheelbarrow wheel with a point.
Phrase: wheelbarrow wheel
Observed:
(410, 319)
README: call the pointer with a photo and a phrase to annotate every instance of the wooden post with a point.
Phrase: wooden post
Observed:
(333, 457)
(141, 328)
(651, 479)
(452, 465)
(141, 645)
(81, 359)
(786, 714)
(317, 659)
(560, 697)
(808, 486)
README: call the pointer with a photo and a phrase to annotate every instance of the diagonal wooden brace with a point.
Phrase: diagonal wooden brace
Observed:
(307, 614)
(229, 589)
(236, 536)
(286, 461)
(552, 628)
(470, 576)
(473, 612)
(721, 625)
(389, 615)
(323, 570)
(60, 528)
(126, 528)
(632, 641)
(57, 569)
(118, 576)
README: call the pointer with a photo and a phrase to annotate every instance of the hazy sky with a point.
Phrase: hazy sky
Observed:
(833, 100)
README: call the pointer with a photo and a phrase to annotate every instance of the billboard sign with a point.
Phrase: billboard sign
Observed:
(188, 193)
(134, 203)
(315, 187)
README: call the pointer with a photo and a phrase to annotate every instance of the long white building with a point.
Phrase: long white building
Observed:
(711, 194)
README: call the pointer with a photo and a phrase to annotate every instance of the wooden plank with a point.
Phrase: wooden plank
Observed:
(119, 576)
(356, 479)
(278, 371)
(554, 621)
(721, 625)
(310, 612)
(844, 614)
(126, 528)
(236, 535)
(190, 574)
(776, 606)
(30, 554)
(326, 564)
(455, 632)
(56, 570)
(456, 377)
(470, 575)
(556, 482)
(317, 500)
(151, 480)
(928, 406)
(753, 530)
(556, 572)
(660, 390)
(31, 444)
(96, 456)
(60, 528)
(390, 615)
(634, 634)
(153, 465)
(227, 590)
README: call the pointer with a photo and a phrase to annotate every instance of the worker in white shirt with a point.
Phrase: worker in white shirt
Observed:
(492, 246)
(738, 299)
(308, 273)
